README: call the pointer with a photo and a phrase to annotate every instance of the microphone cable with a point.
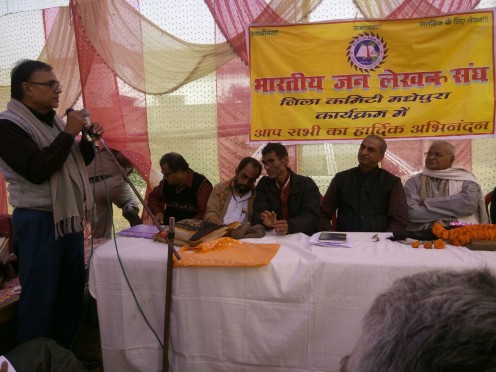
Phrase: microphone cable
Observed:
(98, 157)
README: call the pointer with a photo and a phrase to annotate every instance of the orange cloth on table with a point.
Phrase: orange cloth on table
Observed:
(227, 252)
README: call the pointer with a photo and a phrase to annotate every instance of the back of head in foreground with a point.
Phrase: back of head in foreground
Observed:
(431, 321)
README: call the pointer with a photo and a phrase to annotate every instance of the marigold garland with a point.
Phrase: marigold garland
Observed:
(465, 234)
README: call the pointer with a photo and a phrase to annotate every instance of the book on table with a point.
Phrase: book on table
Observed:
(190, 232)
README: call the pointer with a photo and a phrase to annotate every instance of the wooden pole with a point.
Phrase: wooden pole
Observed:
(168, 294)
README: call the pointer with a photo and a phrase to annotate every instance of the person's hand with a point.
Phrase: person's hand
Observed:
(281, 227)
(97, 130)
(75, 122)
(268, 218)
(160, 218)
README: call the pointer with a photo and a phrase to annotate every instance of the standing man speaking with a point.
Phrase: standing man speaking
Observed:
(49, 190)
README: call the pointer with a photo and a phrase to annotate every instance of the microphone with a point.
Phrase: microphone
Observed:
(89, 127)
(86, 130)
(172, 224)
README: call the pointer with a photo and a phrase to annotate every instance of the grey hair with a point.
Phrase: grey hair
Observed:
(450, 147)
(432, 321)
(381, 140)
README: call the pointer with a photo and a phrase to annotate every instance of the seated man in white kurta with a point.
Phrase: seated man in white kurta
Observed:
(443, 193)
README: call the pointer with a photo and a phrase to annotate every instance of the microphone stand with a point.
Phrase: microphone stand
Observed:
(138, 195)
(170, 252)
(168, 294)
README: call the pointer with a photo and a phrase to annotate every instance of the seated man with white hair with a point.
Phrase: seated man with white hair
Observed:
(431, 321)
(443, 193)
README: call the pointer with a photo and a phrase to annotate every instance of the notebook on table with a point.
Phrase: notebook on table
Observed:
(140, 231)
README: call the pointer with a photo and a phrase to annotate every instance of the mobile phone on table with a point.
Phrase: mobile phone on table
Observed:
(327, 235)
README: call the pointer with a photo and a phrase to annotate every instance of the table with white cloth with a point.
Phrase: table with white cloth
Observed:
(302, 312)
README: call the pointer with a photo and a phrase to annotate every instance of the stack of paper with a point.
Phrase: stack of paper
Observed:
(315, 240)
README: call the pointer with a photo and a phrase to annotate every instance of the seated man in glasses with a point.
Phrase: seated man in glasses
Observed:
(286, 201)
(232, 201)
(442, 192)
(182, 193)
(367, 198)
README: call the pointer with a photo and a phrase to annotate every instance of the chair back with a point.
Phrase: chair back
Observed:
(487, 200)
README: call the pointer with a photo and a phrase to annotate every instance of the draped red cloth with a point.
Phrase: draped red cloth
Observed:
(231, 17)
(119, 107)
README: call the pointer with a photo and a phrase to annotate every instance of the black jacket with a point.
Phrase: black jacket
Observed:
(303, 203)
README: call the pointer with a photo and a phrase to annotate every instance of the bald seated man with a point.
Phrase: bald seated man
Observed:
(443, 193)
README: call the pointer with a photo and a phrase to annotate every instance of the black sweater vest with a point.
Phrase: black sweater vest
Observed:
(182, 204)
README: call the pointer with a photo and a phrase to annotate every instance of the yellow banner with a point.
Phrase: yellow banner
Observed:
(417, 78)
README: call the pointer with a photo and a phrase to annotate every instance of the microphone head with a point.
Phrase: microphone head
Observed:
(69, 110)
(85, 112)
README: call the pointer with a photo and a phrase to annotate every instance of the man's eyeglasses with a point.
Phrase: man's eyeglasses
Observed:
(270, 162)
(53, 84)
(166, 174)
(435, 154)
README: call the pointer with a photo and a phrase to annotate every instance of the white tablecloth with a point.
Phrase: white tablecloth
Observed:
(302, 312)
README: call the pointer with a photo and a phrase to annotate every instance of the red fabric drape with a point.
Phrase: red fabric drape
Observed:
(233, 83)
(232, 16)
(120, 109)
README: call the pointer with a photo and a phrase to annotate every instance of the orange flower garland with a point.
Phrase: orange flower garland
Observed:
(465, 234)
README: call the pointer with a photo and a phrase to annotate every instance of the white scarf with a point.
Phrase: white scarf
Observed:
(455, 177)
